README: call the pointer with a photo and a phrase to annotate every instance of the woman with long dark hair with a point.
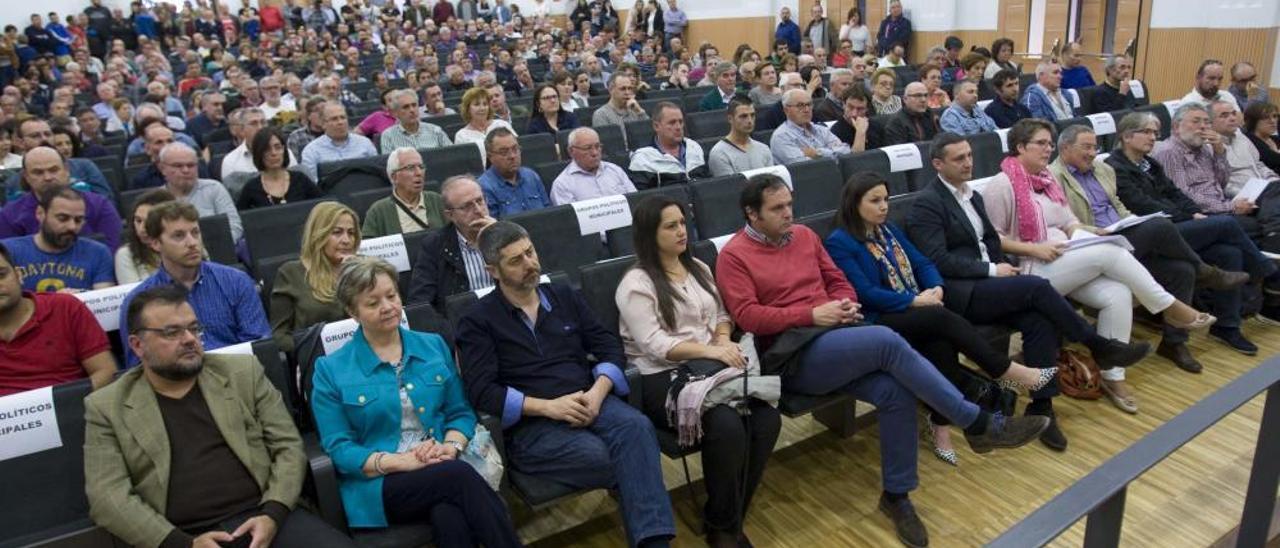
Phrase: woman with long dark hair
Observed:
(135, 260)
(549, 114)
(901, 289)
(672, 319)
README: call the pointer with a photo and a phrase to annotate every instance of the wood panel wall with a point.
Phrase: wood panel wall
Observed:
(726, 34)
(924, 41)
(1168, 58)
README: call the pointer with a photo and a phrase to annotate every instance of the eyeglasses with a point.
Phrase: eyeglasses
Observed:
(510, 151)
(477, 203)
(917, 96)
(801, 105)
(596, 146)
(410, 167)
(1042, 143)
(546, 97)
(173, 332)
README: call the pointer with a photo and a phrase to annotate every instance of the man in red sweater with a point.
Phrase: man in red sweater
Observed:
(778, 282)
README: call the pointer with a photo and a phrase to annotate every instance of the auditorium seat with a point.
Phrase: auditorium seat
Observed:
(620, 239)
(548, 172)
(215, 231)
(875, 161)
(699, 125)
(987, 154)
(919, 178)
(360, 201)
(537, 149)
(764, 136)
(819, 223)
(371, 174)
(817, 184)
(326, 169)
(639, 134)
(715, 205)
(275, 231)
(445, 162)
(556, 236)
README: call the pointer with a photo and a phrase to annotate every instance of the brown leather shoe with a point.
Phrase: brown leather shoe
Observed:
(1217, 279)
(1180, 355)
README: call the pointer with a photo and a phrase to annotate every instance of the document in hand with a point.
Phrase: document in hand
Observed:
(1133, 220)
(1252, 190)
(1081, 239)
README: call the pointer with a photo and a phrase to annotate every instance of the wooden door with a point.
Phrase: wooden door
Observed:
(1128, 18)
(1056, 20)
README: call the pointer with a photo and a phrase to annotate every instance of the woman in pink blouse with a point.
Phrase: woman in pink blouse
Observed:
(671, 319)
(1030, 211)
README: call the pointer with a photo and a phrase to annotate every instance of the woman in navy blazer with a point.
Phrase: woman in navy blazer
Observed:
(901, 289)
(549, 115)
(392, 415)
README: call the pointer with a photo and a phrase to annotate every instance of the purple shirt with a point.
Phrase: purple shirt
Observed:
(1099, 203)
(374, 124)
(18, 218)
(1198, 173)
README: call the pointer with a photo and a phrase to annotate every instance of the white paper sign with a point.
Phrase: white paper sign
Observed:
(1135, 87)
(1103, 123)
(1073, 97)
(1004, 139)
(28, 423)
(388, 248)
(105, 304)
(242, 349)
(829, 123)
(978, 184)
(1103, 157)
(336, 334)
(982, 105)
(602, 214)
(720, 241)
(1252, 190)
(1172, 106)
(480, 293)
(904, 157)
(780, 171)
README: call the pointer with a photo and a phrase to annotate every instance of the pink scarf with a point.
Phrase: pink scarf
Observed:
(1031, 227)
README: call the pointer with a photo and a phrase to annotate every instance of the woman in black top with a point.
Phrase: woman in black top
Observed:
(549, 115)
(1260, 127)
(274, 184)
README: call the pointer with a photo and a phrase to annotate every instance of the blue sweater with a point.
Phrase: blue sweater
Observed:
(356, 402)
(870, 279)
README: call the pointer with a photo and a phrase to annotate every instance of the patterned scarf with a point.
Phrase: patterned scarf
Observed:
(897, 269)
(1031, 227)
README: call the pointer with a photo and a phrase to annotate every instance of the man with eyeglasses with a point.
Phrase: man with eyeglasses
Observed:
(1244, 85)
(409, 130)
(245, 124)
(44, 169)
(409, 208)
(915, 122)
(337, 143)
(194, 449)
(450, 261)
(273, 102)
(588, 175)
(509, 188)
(179, 164)
(225, 300)
(800, 139)
(34, 132)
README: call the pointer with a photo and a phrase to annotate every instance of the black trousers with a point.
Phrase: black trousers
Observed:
(300, 529)
(462, 509)
(735, 450)
(1173, 263)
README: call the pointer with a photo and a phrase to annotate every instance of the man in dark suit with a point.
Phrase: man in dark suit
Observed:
(949, 224)
(450, 260)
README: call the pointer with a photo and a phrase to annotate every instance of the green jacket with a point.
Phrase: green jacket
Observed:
(126, 448)
(383, 217)
(1077, 199)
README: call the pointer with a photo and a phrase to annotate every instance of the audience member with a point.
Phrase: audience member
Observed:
(935, 96)
(1244, 85)
(738, 152)
(588, 175)
(1246, 164)
(1002, 50)
(44, 169)
(337, 143)
(209, 119)
(312, 125)
(225, 299)
(1045, 98)
(378, 121)
(49, 338)
(479, 117)
(832, 108)
(1005, 110)
(622, 106)
(136, 260)
(854, 127)
(450, 261)
(964, 117)
(273, 103)
(895, 30)
(799, 138)
(766, 91)
(1074, 74)
(245, 124)
(883, 100)
(1260, 127)
(274, 183)
(671, 157)
(303, 293)
(555, 398)
(57, 259)
(83, 173)
(509, 187)
(787, 32)
(255, 460)
(1114, 93)
(548, 115)
(410, 208)
(178, 163)
(915, 122)
(1207, 88)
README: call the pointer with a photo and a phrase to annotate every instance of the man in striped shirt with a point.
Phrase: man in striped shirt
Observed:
(450, 260)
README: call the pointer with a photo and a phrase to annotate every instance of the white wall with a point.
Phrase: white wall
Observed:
(948, 15)
(1221, 14)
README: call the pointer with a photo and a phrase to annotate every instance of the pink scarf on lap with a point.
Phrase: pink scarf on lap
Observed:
(1031, 227)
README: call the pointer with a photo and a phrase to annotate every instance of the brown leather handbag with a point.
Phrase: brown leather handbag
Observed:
(1078, 375)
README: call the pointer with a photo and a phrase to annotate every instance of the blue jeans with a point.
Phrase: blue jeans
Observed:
(876, 365)
(618, 449)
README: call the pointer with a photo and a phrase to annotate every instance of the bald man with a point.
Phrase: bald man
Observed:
(44, 169)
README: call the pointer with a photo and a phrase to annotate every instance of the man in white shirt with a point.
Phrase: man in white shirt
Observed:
(272, 102)
(337, 143)
(1208, 79)
(244, 125)
(588, 176)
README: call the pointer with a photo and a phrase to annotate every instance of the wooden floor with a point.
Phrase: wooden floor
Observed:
(822, 491)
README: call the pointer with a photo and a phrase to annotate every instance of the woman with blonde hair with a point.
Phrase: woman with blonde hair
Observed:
(303, 293)
(478, 116)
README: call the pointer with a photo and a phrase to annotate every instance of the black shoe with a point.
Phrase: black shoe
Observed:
(1052, 437)
(722, 539)
(1112, 353)
(1007, 432)
(1231, 336)
(1269, 315)
(910, 529)
(744, 542)
(1180, 355)
(1217, 279)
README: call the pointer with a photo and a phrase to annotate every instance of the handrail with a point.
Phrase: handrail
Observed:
(1100, 494)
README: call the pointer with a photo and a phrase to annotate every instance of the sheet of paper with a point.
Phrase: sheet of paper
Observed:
(904, 157)
(602, 214)
(780, 171)
(1133, 220)
(1004, 139)
(1252, 190)
(1103, 123)
(105, 304)
(28, 423)
(1081, 239)
(1135, 88)
(982, 105)
(388, 248)
(242, 349)
(720, 241)
(480, 293)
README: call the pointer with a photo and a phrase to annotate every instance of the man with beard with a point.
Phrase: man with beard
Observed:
(194, 450)
(44, 168)
(224, 299)
(48, 338)
(56, 259)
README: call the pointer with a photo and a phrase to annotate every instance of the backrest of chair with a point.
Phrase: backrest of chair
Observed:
(819, 223)
(456, 306)
(987, 154)
(875, 161)
(900, 207)
(357, 181)
(264, 272)
(558, 240)
(600, 283)
(816, 185)
(445, 162)
(715, 205)
(215, 231)
(276, 230)
(705, 251)
(325, 169)
(700, 125)
(548, 173)
(918, 178)
(538, 148)
(45, 490)
(361, 201)
(621, 240)
(277, 371)
(422, 317)
(639, 133)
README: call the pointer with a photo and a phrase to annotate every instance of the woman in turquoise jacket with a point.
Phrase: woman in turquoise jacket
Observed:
(392, 415)
(901, 289)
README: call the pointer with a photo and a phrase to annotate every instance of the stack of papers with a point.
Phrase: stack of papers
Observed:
(1132, 220)
(1081, 239)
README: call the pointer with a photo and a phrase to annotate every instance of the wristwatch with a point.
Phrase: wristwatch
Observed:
(456, 445)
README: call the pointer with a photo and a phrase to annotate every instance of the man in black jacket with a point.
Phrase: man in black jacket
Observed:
(1114, 92)
(915, 122)
(450, 260)
(949, 224)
